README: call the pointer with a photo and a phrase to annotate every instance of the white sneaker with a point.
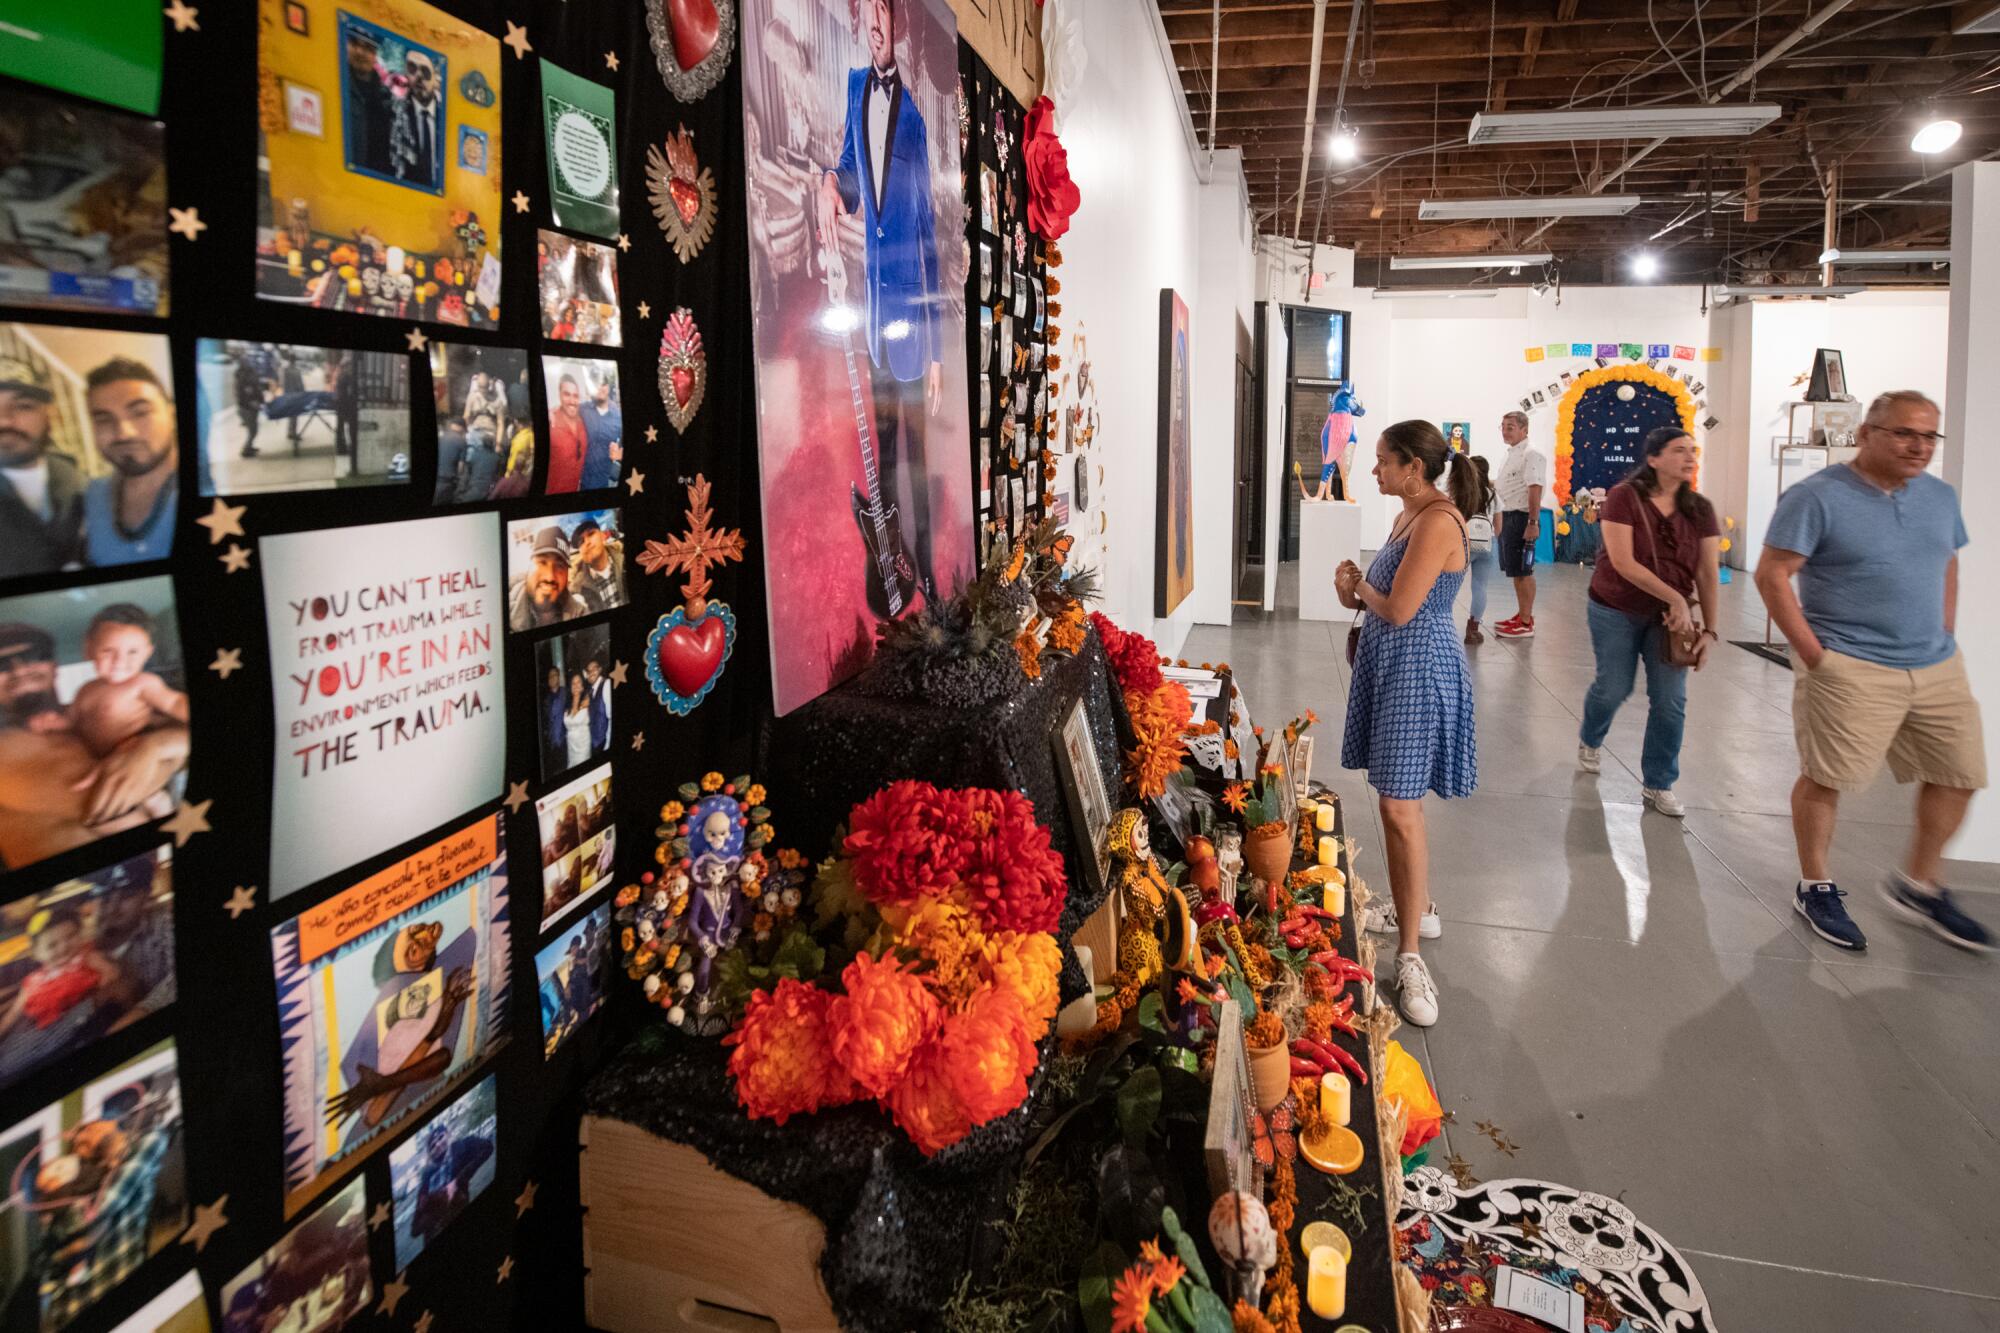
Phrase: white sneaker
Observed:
(1416, 993)
(1382, 921)
(1589, 758)
(1664, 801)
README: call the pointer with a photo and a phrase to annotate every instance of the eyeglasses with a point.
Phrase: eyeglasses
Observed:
(1906, 436)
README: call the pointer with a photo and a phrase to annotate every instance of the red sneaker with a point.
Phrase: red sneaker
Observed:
(1515, 629)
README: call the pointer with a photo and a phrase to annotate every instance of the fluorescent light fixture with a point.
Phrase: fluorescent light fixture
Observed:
(1727, 290)
(1345, 147)
(1468, 261)
(1645, 266)
(1530, 206)
(1638, 122)
(1885, 257)
(1436, 293)
(1935, 136)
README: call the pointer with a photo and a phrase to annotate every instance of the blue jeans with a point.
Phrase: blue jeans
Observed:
(1478, 573)
(1620, 640)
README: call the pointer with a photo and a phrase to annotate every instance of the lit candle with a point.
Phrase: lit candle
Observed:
(354, 286)
(1336, 1101)
(1326, 1282)
(396, 258)
(295, 263)
(1328, 853)
(1323, 819)
(417, 269)
(1334, 899)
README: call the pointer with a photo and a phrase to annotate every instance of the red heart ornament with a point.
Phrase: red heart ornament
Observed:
(687, 200)
(696, 26)
(691, 655)
(683, 379)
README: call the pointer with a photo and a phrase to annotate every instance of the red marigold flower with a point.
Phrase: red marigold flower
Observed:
(1013, 878)
(906, 843)
(782, 1064)
(988, 1055)
(886, 1014)
(924, 1106)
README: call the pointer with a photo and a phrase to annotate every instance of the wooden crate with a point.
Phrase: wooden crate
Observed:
(672, 1245)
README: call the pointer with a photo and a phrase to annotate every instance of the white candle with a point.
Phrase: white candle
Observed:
(1328, 853)
(1334, 899)
(1323, 819)
(1326, 1282)
(396, 261)
(1336, 1100)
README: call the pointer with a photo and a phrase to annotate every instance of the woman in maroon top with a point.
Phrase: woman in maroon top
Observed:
(1661, 547)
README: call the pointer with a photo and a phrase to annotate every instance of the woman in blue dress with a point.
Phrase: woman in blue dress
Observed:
(1409, 704)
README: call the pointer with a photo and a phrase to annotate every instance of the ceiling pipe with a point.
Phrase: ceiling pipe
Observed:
(1312, 107)
(1214, 78)
(1831, 240)
(1811, 25)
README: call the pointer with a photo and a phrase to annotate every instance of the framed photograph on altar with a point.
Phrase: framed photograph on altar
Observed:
(1173, 537)
(1083, 787)
(1829, 377)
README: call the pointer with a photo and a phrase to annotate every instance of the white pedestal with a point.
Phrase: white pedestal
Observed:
(1329, 532)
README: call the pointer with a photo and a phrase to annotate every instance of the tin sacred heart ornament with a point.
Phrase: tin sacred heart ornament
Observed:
(692, 42)
(686, 651)
(682, 191)
(683, 369)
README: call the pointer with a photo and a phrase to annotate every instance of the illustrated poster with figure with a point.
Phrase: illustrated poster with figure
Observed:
(389, 994)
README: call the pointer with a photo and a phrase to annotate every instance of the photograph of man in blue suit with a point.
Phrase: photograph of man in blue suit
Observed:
(884, 172)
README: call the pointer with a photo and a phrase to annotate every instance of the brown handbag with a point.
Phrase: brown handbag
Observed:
(1676, 650)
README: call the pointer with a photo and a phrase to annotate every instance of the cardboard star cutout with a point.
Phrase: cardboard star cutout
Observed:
(235, 560)
(227, 660)
(190, 819)
(223, 520)
(242, 898)
(187, 222)
(209, 1218)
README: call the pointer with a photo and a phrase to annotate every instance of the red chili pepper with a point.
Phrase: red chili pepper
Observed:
(1310, 910)
(1305, 1068)
(1352, 1065)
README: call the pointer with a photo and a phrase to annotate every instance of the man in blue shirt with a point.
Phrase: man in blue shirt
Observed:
(1874, 544)
(604, 429)
(128, 516)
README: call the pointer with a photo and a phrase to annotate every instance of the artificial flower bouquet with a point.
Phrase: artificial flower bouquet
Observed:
(951, 896)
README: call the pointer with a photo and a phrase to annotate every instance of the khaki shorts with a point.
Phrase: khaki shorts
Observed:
(1849, 715)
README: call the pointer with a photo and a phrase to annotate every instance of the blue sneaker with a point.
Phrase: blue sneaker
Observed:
(1937, 913)
(1819, 904)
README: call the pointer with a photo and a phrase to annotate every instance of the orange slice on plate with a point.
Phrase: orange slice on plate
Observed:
(1335, 1149)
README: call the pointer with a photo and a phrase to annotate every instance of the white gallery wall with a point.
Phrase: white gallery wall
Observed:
(1149, 222)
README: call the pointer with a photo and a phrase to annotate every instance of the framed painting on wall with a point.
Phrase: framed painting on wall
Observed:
(1173, 535)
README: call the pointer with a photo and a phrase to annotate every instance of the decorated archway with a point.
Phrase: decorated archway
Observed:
(1599, 431)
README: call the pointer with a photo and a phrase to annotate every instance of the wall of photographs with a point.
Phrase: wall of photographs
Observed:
(351, 354)
(1007, 333)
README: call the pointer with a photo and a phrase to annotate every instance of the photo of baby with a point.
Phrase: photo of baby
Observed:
(93, 718)
(84, 959)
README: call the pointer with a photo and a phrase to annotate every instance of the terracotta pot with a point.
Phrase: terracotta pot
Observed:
(1268, 852)
(1271, 1073)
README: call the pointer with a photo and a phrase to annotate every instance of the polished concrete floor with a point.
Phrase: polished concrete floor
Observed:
(1633, 1002)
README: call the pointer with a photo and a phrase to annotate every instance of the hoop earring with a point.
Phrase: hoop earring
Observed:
(1408, 493)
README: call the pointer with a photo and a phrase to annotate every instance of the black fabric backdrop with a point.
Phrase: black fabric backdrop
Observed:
(225, 1022)
(1610, 435)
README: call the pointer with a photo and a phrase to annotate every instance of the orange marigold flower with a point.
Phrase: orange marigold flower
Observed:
(886, 1014)
(711, 782)
(671, 812)
(1236, 795)
(1150, 1253)
(989, 1053)
(1027, 966)
(1132, 1300)
(627, 896)
(1167, 1273)
(1030, 653)
(1066, 635)
(1188, 994)
(782, 1064)
(945, 934)
(924, 1106)
(1019, 562)
(1230, 748)
(790, 859)
(754, 794)
(1311, 717)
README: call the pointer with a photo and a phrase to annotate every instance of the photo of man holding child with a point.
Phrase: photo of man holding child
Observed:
(93, 716)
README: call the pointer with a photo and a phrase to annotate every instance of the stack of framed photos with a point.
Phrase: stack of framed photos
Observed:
(1007, 297)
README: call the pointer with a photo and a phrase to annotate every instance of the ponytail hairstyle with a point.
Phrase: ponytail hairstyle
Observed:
(1422, 443)
(1646, 481)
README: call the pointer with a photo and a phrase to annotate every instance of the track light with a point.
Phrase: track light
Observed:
(1935, 135)
(1645, 266)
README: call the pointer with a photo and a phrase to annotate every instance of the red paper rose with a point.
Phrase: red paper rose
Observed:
(1052, 195)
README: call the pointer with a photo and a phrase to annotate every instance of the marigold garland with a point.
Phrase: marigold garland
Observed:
(1590, 379)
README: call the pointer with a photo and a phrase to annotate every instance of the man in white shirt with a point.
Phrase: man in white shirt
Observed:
(1518, 489)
